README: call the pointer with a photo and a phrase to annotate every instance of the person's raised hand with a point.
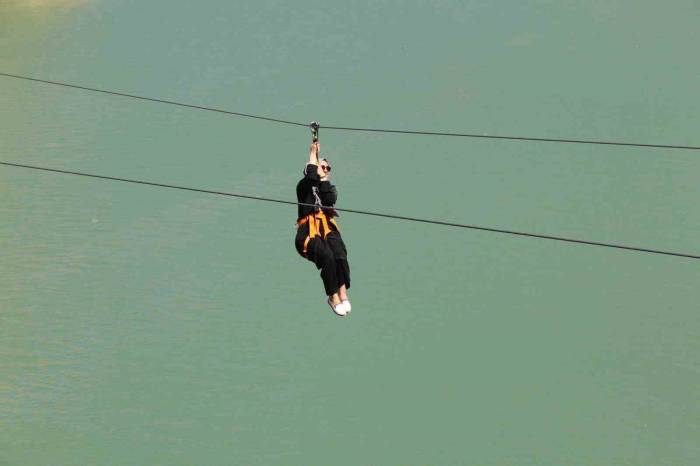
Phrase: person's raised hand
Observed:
(314, 149)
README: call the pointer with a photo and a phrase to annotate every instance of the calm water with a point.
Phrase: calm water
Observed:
(148, 326)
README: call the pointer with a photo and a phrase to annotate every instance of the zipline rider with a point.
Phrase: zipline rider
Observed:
(318, 236)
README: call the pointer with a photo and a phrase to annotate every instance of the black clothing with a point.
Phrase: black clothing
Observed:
(329, 254)
(305, 191)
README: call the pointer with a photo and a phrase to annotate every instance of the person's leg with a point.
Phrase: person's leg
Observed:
(320, 254)
(336, 244)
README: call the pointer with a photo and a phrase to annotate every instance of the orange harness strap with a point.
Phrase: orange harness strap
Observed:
(318, 226)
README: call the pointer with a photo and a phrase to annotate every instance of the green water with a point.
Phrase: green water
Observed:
(149, 326)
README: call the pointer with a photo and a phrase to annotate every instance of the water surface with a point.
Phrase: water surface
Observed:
(150, 326)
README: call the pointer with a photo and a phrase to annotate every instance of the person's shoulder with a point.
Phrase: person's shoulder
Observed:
(305, 181)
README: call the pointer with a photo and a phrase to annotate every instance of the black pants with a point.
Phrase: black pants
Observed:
(330, 256)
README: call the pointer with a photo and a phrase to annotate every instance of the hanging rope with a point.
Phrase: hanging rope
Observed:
(362, 212)
(345, 128)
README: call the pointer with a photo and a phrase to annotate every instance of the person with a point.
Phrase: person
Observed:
(318, 237)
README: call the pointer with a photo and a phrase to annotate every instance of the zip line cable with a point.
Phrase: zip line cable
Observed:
(151, 99)
(361, 212)
(345, 128)
(514, 138)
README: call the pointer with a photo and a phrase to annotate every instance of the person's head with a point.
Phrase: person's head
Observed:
(324, 168)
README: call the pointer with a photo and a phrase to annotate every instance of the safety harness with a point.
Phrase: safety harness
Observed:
(318, 222)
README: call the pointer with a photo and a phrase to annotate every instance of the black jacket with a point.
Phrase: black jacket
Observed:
(305, 192)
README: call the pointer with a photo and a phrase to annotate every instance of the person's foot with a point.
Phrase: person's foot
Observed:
(339, 308)
(347, 305)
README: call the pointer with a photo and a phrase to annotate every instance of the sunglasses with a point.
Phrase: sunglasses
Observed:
(326, 168)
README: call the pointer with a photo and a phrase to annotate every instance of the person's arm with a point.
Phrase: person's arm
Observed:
(311, 170)
(313, 153)
(327, 193)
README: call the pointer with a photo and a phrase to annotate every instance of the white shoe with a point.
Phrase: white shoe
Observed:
(347, 305)
(339, 309)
